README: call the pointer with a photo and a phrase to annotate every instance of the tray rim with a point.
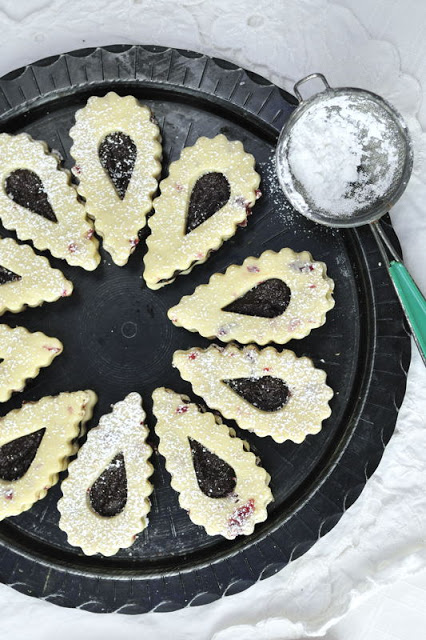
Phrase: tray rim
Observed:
(173, 590)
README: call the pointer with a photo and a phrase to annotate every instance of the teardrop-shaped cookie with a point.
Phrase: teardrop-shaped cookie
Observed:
(105, 497)
(210, 190)
(275, 298)
(22, 354)
(35, 444)
(117, 152)
(219, 481)
(28, 279)
(38, 201)
(266, 391)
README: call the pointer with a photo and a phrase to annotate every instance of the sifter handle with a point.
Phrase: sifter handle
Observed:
(311, 76)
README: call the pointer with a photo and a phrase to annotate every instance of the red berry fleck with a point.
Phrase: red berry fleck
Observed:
(77, 169)
(178, 187)
(134, 242)
(241, 514)
(182, 408)
(65, 293)
(257, 193)
(90, 233)
(193, 355)
(253, 269)
(266, 369)
(243, 223)
(222, 331)
(49, 348)
(312, 286)
(70, 410)
(199, 255)
(8, 494)
(72, 247)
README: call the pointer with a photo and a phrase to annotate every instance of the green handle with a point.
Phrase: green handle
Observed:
(413, 303)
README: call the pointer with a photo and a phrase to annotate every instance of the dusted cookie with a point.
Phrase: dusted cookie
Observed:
(275, 298)
(22, 354)
(39, 202)
(218, 480)
(27, 279)
(105, 497)
(35, 443)
(117, 151)
(208, 193)
(271, 393)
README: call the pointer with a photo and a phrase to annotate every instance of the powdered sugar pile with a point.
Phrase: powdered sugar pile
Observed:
(343, 155)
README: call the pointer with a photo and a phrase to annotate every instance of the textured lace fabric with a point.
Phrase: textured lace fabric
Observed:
(382, 535)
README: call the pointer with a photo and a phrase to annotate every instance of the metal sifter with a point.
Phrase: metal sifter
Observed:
(364, 210)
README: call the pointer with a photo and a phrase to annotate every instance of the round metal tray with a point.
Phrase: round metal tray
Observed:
(363, 346)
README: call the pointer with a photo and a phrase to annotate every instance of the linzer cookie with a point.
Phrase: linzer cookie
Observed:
(209, 192)
(219, 481)
(22, 354)
(271, 393)
(117, 152)
(275, 298)
(27, 279)
(38, 201)
(35, 443)
(105, 497)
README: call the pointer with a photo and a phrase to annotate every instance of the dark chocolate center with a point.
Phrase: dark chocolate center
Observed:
(26, 189)
(266, 393)
(8, 276)
(117, 154)
(16, 456)
(108, 494)
(215, 477)
(268, 299)
(210, 193)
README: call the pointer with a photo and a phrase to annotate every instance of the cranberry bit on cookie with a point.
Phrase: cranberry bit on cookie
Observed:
(253, 269)
(192, 356)
(182, 409)
(240, 515)
(49, 348)
(72, 247)
(8, 494)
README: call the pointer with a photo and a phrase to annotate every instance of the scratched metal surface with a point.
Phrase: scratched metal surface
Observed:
(363, 346)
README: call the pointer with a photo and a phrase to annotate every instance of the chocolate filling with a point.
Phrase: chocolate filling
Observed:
(16, 456)
(8, 276)
(266, 393)
(26, 189)
(108, 494)
(268, 299)
(117, 155)
(210, 193)
(215, 477)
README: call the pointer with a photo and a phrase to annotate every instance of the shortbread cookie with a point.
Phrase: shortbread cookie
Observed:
(35, 444)
(38, 201)
(117, 151)
(209, 191)
(22, 354)
(219, 481)
(271, 393)
(105, 497)
(27, 279)
(275, 298)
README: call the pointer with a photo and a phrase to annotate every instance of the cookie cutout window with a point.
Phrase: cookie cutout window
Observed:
(210, 190)
(218, 479)
(105, 499)
(275, 298)
(117, 153)
(38, 201)
(266, 391)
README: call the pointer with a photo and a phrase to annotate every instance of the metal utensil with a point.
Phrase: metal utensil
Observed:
(412, 301)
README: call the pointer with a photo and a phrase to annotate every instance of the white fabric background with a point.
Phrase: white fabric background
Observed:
(378, 46)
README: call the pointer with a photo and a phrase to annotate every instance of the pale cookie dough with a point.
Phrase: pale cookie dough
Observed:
(38, 201)
(22, 354)
(110, 473)
(27, 279)
(44, 431)
(271, 393)
(187, 225)
(219, 481)
(276, 298)
(117, 134)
